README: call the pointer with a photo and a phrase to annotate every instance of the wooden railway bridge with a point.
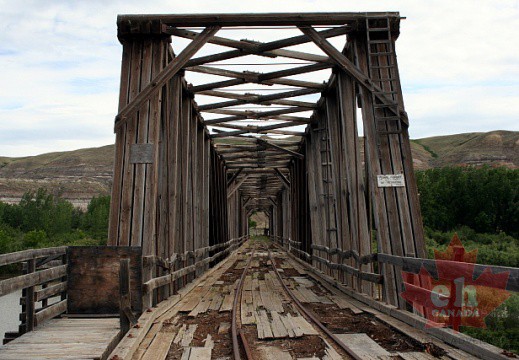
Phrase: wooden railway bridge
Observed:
(305, 123)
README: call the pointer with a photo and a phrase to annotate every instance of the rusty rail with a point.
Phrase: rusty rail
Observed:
(235, 332)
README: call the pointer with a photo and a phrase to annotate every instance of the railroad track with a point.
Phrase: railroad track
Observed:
(311, 317)
(276, 309)
(236, 334)
(242, 346)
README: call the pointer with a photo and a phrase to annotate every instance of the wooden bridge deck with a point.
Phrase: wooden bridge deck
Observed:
(65, 338)
(197, 323)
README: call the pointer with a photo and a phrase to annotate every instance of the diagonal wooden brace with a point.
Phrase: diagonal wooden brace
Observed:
(280, 148)
(166, 74)
(244, 47)
(348, 67)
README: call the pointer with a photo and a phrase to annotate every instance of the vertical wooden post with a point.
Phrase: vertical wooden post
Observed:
(64, 261)
(29, 298)
(124, 295)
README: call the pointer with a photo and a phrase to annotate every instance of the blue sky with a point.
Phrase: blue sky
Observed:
(60, 64)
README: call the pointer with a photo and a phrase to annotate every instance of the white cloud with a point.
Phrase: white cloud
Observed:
(60, 63)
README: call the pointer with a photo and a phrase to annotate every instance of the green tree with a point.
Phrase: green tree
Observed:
(95, 220)
(484, 199)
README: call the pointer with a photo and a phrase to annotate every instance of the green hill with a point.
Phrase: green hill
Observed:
(81, 174)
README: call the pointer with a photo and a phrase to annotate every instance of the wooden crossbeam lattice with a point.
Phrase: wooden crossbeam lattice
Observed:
(248, 96)
(254, 115)
(259, 99)
(275, 78)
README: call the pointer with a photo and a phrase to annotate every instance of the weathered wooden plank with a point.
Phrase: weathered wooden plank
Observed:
(363, 346)
(279, 330)
(23, 281)
(159, 348)
(197, 353)
(257, 19)
(413, 265)
(50, 312)
(11, 258)
(129, 344)
(120, 148)
(331, 353)
(373, 167)
(49, 291)
(263, 325)
(459, 340)
(187, 336)
(415, 356)
(141, 151)
(292, 328)
(274, 352)
(80, 339)
(343, 303)
(305, 327)
(131, 133)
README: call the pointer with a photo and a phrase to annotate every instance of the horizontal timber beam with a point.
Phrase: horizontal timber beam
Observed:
(260, 99)
(277, 147)
(248, 96)
(251, 115)
(248, 77)
(257, 19)
(253, 129)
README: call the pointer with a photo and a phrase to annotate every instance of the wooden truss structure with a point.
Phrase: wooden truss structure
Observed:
(189, 173)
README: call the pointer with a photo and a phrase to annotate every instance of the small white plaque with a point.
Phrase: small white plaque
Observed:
(396, 180)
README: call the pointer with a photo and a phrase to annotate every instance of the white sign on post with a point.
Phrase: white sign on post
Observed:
(396, 180)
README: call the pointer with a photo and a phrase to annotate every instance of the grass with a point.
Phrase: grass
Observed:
(427, 148)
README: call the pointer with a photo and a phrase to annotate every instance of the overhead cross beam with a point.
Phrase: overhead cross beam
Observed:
(256, 115)
(253, 115)
(256, 19)
(274, 78)
(271, 49)
(252, 129)
(247, 96)
(260, 99)
(277, 147)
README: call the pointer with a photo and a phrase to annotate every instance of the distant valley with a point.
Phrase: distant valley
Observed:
(81, 174)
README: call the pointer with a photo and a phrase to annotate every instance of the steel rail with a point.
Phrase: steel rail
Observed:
(235, 332)
(311, 316)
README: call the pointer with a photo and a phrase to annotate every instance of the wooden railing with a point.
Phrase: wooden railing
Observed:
(44, 277)
(408, 264)
(179, 265)
(294, 247)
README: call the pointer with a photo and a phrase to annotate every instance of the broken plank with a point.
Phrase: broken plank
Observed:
(263, 325)
(415, 356)
(362, 345)
(293, 330)
(304, 325)
(278, 328)
(342, 303)
(160, 346)
(189, 334)
(274, 352)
